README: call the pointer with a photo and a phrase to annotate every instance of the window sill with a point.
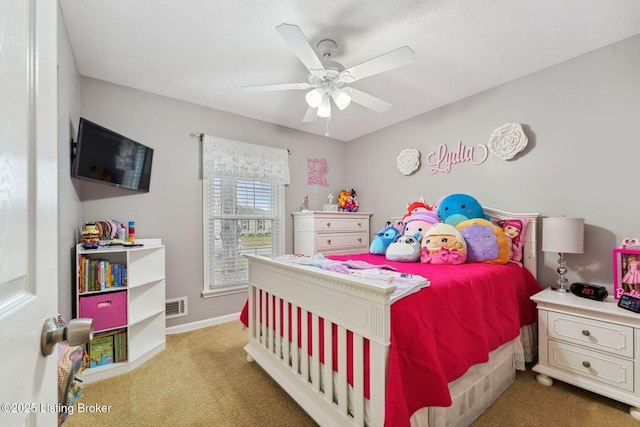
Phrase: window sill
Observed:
(214, 293)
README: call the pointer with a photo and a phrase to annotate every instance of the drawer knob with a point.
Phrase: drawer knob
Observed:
(329, 241)
(328, 224)
(359, 224)
(586, 364)
(360, 239)
(586, 333)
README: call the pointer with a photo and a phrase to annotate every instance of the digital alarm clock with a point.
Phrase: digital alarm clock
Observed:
(589, 291)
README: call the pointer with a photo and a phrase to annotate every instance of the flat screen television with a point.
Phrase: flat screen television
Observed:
(106, 157)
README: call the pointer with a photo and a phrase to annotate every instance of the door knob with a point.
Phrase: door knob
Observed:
(78, 331)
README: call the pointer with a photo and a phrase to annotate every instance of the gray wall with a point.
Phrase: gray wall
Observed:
(69, 206)
(582, 160)
(172, 210)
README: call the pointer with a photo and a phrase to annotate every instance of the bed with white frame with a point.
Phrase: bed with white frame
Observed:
(364, 308)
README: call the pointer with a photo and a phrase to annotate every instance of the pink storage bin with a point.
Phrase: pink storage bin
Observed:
(108, 310)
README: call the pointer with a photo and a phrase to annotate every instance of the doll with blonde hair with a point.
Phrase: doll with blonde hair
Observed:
(632, 278)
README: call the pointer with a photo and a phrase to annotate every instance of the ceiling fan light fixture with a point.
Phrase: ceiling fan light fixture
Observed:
(341, 98)
(314, 97)
(324, 109)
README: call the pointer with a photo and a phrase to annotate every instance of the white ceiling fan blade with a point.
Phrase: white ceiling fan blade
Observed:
(310, 115)
(301, 47)
(275, 87)
(366, 100)
(388, 61)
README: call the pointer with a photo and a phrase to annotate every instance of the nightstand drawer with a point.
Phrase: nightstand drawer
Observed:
(332, 242)
(610, 370)
(341, 224)
(604, 336)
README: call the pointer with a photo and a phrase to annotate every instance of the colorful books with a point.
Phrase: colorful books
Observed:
(108, 347)
(101, 351)
(100, 274)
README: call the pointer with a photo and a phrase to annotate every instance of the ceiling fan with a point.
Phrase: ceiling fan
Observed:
(327, 78)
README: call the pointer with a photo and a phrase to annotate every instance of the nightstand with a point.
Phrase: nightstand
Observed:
(594, 345)
(330, 232)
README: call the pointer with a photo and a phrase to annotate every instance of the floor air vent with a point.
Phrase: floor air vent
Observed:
(176, 307)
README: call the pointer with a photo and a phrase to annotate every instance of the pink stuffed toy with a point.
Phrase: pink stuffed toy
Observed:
(418, 223)
(443, 244)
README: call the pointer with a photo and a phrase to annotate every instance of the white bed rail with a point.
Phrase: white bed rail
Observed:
(352, 305)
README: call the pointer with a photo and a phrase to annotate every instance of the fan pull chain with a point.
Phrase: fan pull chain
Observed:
(327, 129)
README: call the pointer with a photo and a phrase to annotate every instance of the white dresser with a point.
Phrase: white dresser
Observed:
(594, 345)
(330, 232)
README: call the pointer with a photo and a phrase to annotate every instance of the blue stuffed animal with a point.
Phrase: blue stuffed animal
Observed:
(456, 208)
(383, 239)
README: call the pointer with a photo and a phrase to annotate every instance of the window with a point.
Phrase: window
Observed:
(243, 202)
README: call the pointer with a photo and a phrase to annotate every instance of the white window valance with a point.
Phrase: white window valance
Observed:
(226, 158)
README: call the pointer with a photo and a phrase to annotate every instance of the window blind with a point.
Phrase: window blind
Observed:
(243, 208)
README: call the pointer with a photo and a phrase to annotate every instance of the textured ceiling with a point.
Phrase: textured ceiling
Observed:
(204, 51)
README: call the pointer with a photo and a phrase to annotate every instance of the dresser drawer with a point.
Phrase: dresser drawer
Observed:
(330, 232)
(603, 336)
(341, 224)
(337, 242)
(606, 369)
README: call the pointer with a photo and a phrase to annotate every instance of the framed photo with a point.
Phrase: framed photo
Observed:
(626, 272)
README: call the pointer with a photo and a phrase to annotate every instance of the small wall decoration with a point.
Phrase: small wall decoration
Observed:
(442, 159)
(408, 161)
(626, 269)
(507, 141)
(317, 170)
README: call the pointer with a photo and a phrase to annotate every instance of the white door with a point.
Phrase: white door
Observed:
(28, 209)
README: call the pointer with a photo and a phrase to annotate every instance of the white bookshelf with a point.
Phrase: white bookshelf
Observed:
(145, 291)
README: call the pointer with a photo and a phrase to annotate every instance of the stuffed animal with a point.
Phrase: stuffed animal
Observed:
(383, 239)
(443, 244)
(486, 242)
(456, 208)
(417, 206)
(418, 223)
(404, 249)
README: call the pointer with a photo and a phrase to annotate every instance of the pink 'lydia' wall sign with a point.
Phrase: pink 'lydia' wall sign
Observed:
(442, 159)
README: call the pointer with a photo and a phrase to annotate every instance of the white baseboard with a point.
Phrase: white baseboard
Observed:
(186, 327)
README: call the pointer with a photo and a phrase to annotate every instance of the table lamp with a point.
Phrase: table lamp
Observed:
(563, 236)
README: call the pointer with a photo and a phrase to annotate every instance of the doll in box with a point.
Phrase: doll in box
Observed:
(632, 278)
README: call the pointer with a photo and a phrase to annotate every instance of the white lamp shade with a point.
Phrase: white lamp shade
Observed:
(563, 235)
(314, 97)
(341, 98)
(324, 109)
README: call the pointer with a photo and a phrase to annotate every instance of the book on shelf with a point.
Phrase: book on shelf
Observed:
(101, 351)
(100, 274)
(108, 347)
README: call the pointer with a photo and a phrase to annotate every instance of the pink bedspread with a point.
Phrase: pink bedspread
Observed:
(439, 332)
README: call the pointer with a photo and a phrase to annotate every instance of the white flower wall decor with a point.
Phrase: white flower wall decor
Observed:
(408, 161)
(507, 141)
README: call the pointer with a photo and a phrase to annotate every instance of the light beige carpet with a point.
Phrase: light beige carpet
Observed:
(203, 379)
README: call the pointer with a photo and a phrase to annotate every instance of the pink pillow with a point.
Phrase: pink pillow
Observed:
(516, 231)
